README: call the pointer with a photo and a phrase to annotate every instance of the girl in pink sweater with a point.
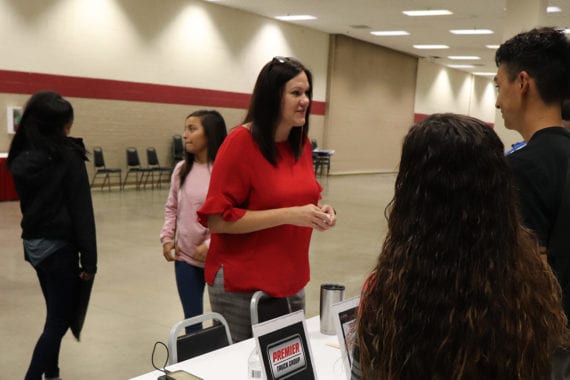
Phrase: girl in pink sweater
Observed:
(184, 240)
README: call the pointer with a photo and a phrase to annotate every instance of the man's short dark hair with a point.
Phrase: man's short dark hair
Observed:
(544, 53)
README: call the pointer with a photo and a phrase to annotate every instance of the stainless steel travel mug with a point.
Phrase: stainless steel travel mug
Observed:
(330, 294)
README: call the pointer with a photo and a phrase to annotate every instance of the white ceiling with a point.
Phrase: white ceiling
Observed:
(357, 18)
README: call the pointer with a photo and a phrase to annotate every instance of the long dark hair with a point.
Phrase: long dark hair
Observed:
(265, 107)
(459, 290)
(42, 126)
(215, 132)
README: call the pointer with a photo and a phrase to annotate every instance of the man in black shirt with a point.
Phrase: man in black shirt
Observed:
(566, 113)
(533, 79)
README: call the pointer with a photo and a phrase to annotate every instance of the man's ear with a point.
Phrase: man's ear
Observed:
(524, 81)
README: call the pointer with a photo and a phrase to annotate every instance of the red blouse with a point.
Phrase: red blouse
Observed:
(275, 260)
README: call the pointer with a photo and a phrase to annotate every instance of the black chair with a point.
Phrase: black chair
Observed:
(321, 160)
(177, 149)
(199, 342)
(314, 144)
(263, 307)
(154, 165)
(101, 169)
(134, 166)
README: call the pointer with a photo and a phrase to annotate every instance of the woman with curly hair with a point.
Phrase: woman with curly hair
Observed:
(459, 290)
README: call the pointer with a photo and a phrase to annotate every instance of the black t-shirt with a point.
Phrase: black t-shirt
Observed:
(539, 171)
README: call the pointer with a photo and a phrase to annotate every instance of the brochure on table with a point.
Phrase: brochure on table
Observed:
(345, 313)
(284, 348)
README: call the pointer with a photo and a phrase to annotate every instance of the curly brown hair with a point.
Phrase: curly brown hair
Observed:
(459, 290)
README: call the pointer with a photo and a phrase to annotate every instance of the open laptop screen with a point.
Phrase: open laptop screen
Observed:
(345, 313)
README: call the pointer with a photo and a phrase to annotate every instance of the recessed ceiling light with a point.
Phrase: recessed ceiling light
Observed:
(461, 66)
(553, 9)
(296, 18)
(360, 26)
(567, 30)
(431, 46)
(464, 57)
(471, 31)
(428, 12)
(390, 33)
(492, 46)
(485, 73)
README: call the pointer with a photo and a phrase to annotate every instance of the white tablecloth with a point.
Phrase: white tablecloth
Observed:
(231, 362)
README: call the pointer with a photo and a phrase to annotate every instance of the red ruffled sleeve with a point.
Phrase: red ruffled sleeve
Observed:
(230, 180)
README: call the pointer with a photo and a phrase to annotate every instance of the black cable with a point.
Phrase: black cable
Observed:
(163, 369)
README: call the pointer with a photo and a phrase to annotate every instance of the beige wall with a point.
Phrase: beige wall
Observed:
(187, 43)
(372, 92)
(441, 89)
(370, 105)
(116, 125)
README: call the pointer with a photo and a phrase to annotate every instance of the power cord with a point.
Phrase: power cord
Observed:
(163, 369)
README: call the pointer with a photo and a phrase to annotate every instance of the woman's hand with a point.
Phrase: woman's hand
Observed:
(319, 218)
(310, 215)
(167, 251)
(201, 252)
(330, 211)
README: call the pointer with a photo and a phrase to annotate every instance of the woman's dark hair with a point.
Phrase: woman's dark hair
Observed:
(42, 126)
(459, 290)
(265, 106)
(215, 132)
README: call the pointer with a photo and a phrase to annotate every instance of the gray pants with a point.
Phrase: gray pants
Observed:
(234, 306)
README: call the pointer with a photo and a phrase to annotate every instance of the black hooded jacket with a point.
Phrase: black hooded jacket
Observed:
(55, 200)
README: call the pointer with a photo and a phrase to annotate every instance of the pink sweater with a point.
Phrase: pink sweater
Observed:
(180, 218)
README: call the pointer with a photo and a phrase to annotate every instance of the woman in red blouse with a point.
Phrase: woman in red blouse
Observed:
(262, 204)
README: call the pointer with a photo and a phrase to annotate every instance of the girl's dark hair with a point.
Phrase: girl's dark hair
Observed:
(459, 290)
(265, 107)
(42, 126)
(215, 132)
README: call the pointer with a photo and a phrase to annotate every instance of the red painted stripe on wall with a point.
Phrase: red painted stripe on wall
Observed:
(420, 116)
(17, 82)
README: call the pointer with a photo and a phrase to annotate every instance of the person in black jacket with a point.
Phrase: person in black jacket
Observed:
(566, 113)
(58, 224)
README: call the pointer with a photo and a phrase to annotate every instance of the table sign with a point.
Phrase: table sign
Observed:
(284, 348)
(345, 314)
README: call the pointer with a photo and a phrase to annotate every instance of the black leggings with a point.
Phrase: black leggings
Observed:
(59, 279)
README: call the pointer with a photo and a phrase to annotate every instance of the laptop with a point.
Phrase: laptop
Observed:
(345, 314)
